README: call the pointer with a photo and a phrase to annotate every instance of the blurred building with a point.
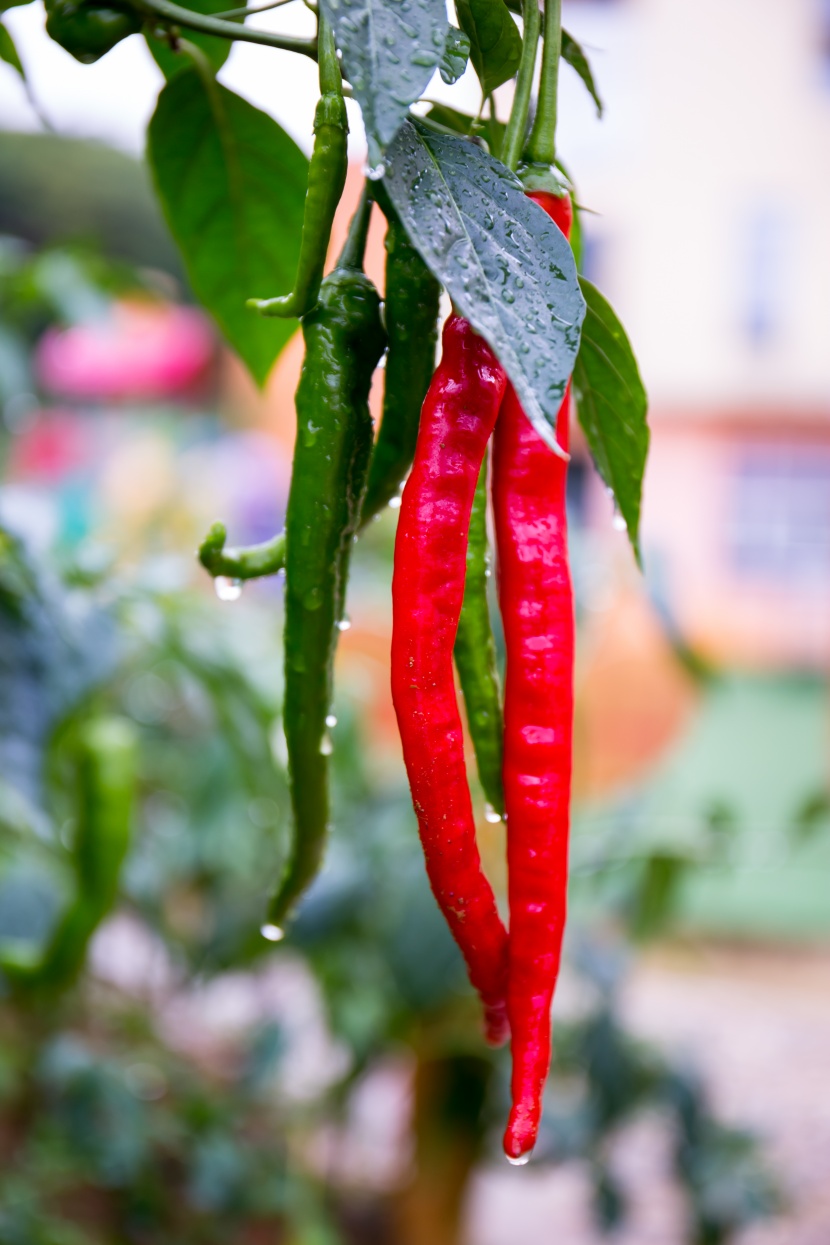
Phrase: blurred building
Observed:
(713, 192)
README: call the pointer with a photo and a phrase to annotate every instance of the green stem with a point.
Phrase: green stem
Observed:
(354, 247)
(331, 79)
(253, 8)
(514, 135)
(170, 12)
(541, 146)
(251, 562)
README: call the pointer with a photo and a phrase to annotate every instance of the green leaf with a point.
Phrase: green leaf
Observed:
(495, 42)
(8, 52)
(507, 267)
(456, 54)
(12, 4)
(216, 50)
(232, 185)
(576, 58)
(611, 402)
(391, 48)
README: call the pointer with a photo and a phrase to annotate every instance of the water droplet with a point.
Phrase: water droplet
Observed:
(272, 932)
(331, 721)
(520, 1159)
(491, 815)
(422, 58)
(344, 624)
(326, 746)
(227, 589)
(394, 503)
(507, 296)
(374, 172)
(618, 522)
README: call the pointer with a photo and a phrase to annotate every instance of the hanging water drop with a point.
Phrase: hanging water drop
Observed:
(326, 746)
(520, 1159)
(618, 522)
(344, 624)
(491, 815)
(227, 589)
(331, 721)
(374, 172)
(272, 932)
(394, 503)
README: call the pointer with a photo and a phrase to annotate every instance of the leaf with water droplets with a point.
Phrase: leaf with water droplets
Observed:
(495, 42)
(612, 404)
(390, 48)
(505, 264)
(456, 54)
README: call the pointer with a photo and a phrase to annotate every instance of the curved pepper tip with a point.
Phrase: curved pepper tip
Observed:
(520, 1135)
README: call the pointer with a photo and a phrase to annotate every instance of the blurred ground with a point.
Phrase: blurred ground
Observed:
(756, 1024)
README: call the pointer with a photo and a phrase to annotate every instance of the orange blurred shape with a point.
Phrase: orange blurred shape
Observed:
(633, 697)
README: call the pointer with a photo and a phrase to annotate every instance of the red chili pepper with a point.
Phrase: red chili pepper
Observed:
(537, 611)
(457, 418)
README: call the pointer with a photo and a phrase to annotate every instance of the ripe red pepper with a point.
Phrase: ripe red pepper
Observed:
(457, 418)
(537, 610)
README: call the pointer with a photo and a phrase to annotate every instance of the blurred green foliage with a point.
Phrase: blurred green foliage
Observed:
(55, 189)
(115, 1134)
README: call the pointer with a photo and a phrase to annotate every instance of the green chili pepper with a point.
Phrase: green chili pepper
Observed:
(475, 656)
(411, 317)
(326, 179)
(106, 785)
(344, 340)
(88, 31)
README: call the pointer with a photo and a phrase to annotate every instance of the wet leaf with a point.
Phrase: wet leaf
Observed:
(507, 267)
(391, 48)
(234, 203)
(612, 404)
(456, 54)
(572, 53)
(495, 42)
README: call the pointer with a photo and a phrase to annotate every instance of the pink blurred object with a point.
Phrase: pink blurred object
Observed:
(141, 350)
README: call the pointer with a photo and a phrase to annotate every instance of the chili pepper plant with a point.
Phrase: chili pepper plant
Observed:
(481, 207)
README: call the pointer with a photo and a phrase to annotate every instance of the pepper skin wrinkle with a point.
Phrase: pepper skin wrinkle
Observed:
(457, 419)
(536, 600)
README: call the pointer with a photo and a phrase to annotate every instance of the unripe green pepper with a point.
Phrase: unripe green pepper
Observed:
(88, 31)
(344, 340)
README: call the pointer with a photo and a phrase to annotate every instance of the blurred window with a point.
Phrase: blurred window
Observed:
(824, 38)
(779, 525)
(765, 234)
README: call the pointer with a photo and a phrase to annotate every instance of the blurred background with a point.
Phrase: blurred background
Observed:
(173, 1076)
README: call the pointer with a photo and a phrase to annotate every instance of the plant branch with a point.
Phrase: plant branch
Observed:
(170, 12)
(514, 135)
(541, 146)
(251, 562)
(253, 8)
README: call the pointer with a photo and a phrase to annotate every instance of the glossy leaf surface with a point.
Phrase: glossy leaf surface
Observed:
(495, 42)
(232, 185)
(390, 48)
(506, 266)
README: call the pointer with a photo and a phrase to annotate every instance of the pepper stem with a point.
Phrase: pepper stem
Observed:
(355, 245)
(331, 79)
(514, 135)
(541, 146)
